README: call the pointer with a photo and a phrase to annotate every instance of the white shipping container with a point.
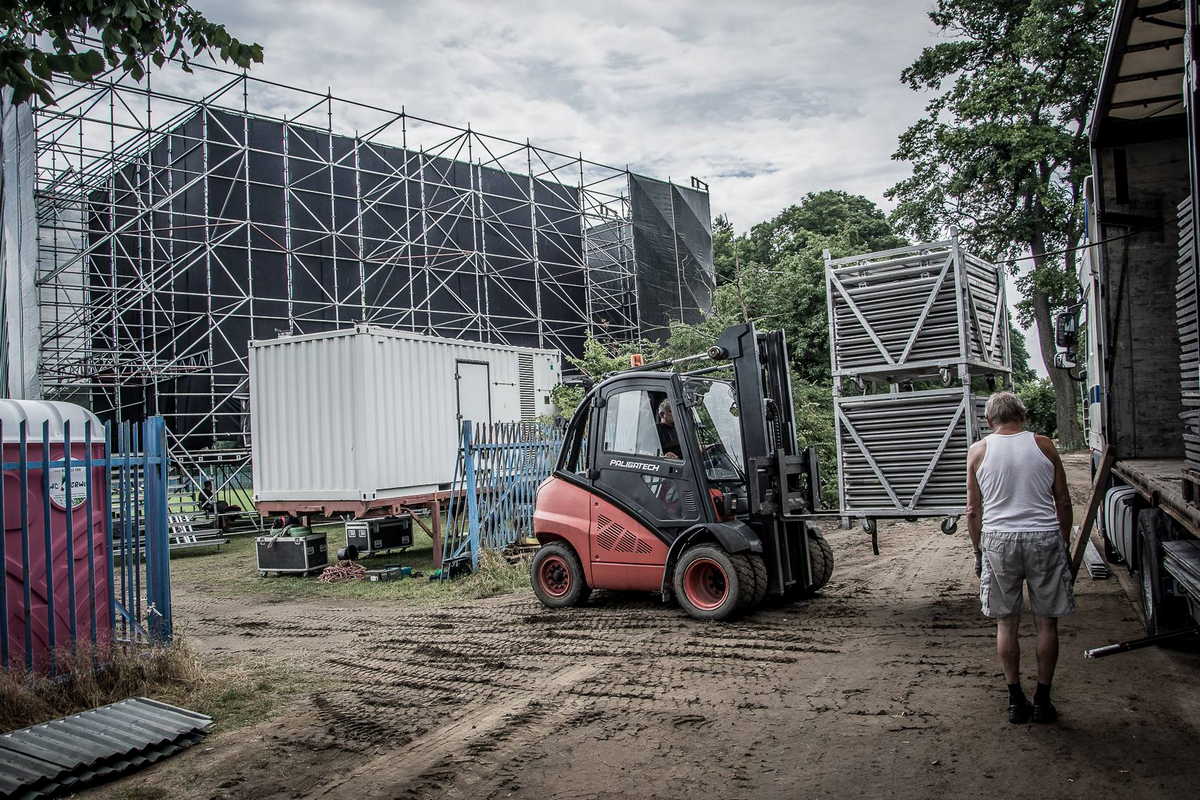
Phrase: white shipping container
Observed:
(368, 413)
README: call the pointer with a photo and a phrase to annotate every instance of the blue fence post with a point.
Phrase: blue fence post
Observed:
(469, 453)
(107, 488)
(158, 557)
(3, 567)
(89, 508)
(48, 541)
(68, 499)
(23, 469)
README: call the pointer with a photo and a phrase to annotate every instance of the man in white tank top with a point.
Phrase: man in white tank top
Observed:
(1019, 518)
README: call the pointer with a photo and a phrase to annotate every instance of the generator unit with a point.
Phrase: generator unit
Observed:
(385, 421)
(294, 555)
(369, 537)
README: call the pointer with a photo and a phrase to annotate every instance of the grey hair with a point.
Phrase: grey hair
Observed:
(1005, 408)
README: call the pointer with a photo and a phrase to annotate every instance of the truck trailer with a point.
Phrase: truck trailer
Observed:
(1135, 345)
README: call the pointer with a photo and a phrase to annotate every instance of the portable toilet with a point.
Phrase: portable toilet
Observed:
(55, 549)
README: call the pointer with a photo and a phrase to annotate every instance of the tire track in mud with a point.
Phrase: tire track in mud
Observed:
(451, 750)
(436, 700)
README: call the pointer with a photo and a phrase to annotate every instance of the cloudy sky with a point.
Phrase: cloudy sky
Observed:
(764, 100)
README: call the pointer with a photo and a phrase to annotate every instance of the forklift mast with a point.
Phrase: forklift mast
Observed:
(782, 480)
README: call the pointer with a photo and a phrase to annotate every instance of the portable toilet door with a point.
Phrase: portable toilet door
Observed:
(55, 550)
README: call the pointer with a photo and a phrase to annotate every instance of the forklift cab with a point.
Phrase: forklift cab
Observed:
(686, 483)
(667, 446)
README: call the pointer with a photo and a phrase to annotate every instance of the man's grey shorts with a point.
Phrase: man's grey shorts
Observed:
(1038, 558)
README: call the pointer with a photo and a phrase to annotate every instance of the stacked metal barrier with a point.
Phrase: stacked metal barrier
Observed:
(500, 466)
(916, 335)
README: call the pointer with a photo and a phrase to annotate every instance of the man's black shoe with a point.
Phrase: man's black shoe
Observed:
(1020, 713)
(1043, 712)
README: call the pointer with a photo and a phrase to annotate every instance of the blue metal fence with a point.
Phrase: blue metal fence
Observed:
(85, 542)
(491, 503)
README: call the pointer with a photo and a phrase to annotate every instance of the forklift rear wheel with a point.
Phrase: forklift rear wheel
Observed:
(557, 576)
(711, 584)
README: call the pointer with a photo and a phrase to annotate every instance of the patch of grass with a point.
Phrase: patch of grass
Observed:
(233, 572)
(234, 692)
(242, 691)
(28, 698)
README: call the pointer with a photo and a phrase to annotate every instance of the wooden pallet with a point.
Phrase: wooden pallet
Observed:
(1191, 486)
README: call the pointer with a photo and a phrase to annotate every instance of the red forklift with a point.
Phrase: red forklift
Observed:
(686, 482)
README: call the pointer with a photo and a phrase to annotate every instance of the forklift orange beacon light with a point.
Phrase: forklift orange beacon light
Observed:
(637, 360)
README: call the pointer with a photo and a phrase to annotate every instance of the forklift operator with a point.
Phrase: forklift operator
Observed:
(667, 435)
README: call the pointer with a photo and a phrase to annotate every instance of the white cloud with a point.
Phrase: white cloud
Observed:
(764, 100)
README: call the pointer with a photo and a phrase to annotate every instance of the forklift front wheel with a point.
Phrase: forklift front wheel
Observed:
(711, 584)
(557, 576)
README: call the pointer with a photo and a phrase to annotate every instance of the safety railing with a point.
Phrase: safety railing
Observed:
(495, 485)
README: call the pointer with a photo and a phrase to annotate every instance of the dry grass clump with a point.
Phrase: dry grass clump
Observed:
(94, 675)
(496, 575)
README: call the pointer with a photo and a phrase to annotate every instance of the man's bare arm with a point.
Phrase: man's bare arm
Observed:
(974, 494)
(1062, 494)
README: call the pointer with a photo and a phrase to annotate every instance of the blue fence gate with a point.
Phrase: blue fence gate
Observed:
(491, 503)
(85, 541)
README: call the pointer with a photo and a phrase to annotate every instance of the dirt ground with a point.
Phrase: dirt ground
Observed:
(884, 685)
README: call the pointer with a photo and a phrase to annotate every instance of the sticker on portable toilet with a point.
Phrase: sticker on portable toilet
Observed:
(58, 489)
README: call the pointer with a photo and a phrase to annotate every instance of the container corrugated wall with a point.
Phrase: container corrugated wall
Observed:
(369, 413)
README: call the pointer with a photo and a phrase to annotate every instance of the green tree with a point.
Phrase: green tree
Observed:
(1038, 397)
(1002, 151)
(780, 282)
(598, 359)
(723, 243)
(41, 40)
(1022, 370)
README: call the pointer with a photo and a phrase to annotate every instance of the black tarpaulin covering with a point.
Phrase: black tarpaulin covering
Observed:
(284, 228)
(672, 244)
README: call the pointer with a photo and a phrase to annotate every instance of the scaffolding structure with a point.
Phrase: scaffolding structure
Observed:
(174, 230)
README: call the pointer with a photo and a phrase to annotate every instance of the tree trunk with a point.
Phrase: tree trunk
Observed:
(1066, 390)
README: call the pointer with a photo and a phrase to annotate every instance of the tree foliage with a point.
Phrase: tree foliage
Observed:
(1038, 397)
(1022, 370)
(780, 279)
(41, 40)
(1002, 150)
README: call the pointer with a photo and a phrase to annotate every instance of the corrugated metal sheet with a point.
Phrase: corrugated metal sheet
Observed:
(368, 413)
(69, 753)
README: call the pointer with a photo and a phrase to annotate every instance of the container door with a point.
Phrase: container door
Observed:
(474, 391)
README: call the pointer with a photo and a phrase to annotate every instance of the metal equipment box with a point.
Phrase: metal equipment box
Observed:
(292, 554)
(385, 420)
(368, 537)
